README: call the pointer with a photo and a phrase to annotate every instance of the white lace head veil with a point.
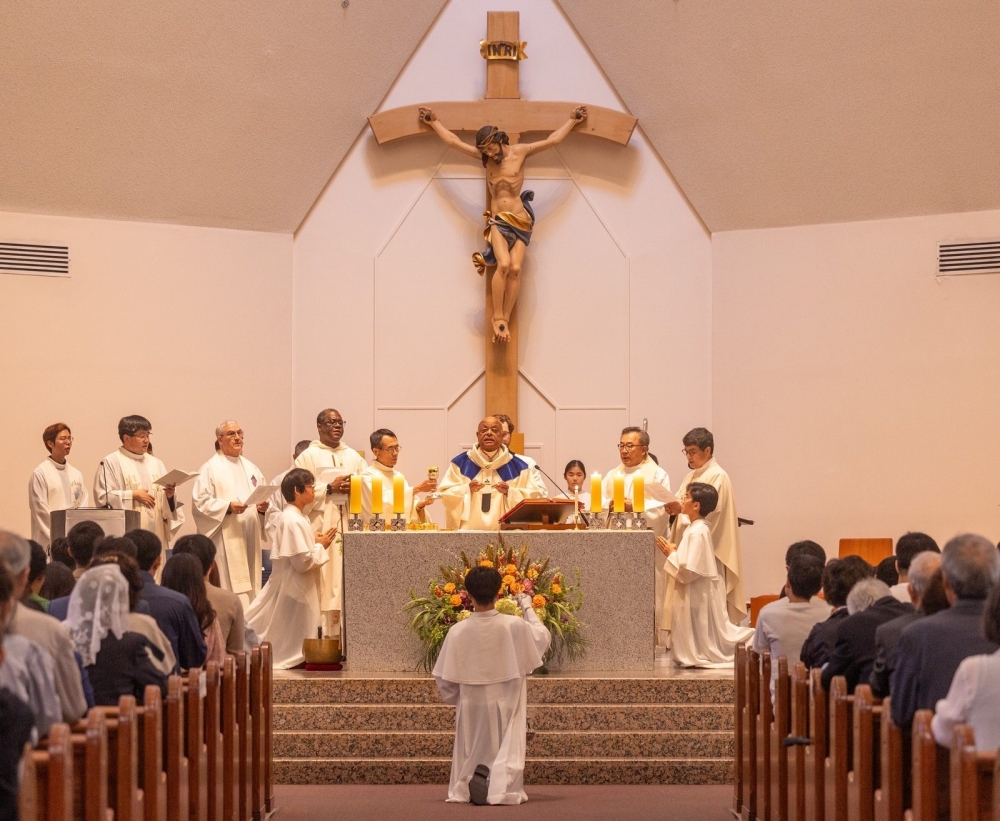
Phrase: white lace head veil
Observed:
(98, 605)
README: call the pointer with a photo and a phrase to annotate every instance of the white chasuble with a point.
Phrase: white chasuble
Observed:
(388, 475)
(127, 471)
(329, 508)
(482, 510)
(288, 608)
(702, 634)
(482, 669)
(724, 526)
(237, 537)
(53, 487)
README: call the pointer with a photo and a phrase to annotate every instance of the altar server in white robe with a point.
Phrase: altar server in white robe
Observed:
(703, 635)
(278, 503)
(482, 669)
(224, 483)
(288, 608)
(483, 483)
(699, 450)
(633, 448)
(55, 484)
(575, 475)
(127, 481)
(385, 449)
(330, 505)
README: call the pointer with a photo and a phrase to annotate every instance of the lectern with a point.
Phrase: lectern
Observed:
(539, 514)
(112, 522)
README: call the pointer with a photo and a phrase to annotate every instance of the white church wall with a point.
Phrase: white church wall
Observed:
(186, 326)
(855, 394)
(615, 306)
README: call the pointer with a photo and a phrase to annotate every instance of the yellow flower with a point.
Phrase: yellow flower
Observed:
(538, 600)
(449, 588)
(508, 580)
(556, 589)
(533, 574)
(485, 563)
(456, 601)
(510, 569)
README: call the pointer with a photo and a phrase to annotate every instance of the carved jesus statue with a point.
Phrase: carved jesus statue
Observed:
(510, 220)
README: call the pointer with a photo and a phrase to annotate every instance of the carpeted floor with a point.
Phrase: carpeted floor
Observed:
(420, 802)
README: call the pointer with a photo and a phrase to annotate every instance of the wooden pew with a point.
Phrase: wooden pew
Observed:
(213, 741)
(230, 742)
(816, 752)
(971, 778)
(889, 793)
(781, 719)
(243, 734)
(930, 772)
(27, 795)
(151, 774)
(176, 763)
(740, 706)
(838, 762)
(53, 769)
(256, 734)
(749, 811)
(799, 728)
(125, 797)
(765, 715)
(90, 769)
(194, 745)
(861, 778)
(267, 660)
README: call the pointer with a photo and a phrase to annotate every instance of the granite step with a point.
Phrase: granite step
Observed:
(536, 771)
(594, 744)
(547, 717)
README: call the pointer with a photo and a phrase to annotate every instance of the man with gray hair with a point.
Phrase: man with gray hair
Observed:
(869, 604)
(223, 485)
(931, 649)
(921, 571)
(43, 630)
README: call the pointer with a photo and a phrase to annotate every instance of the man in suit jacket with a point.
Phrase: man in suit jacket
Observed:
(839, 577)
(931, 648)
(869, 604)
(921, 572)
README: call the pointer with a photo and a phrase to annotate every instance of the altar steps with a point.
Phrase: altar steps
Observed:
(645, 730)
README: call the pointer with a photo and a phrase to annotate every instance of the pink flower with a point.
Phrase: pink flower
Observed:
(529, 587)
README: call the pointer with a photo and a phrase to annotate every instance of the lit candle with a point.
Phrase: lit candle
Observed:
(378, 503)
(618, 492)
(398, 495)
(355, 494)
(595, 493)
(638, 494)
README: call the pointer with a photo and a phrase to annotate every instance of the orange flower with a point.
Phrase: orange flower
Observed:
(556, 589)
(510, 569)
(456, 601)
(438, 592)
(515, 588)
(449, 588)
(509, 580)
(485, 563)
(538, 600)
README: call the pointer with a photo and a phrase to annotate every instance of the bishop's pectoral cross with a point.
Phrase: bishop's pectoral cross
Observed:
(504, 109)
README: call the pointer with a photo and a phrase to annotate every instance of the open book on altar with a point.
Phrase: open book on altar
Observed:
(538, 513)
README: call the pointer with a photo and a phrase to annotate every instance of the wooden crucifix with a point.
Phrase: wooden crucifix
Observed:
(502, 113)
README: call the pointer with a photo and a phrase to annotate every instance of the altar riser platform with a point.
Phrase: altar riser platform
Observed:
(588, 731)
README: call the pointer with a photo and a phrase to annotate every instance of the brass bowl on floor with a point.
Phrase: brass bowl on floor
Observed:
(321, 651)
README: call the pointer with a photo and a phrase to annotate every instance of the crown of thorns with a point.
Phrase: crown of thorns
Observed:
(494, 135)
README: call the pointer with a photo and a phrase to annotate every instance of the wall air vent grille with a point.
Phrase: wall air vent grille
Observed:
(959, 258)
(40, 260)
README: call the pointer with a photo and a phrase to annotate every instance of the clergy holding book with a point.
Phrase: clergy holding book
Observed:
(224, 484)
(126, 480)
(483, 483)
(382, 473)
(332, 463)
(55, 484)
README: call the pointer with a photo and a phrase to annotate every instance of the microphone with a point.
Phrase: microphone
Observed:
(583, 514)
(107, 497)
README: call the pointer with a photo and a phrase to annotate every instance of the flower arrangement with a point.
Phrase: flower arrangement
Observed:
(553, 599)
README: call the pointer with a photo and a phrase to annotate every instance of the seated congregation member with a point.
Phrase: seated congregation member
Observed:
(839, 576)
(115, 658)
(226, 604)
(288, 608)
(931, 648)
(44, 630)
(107, 545)
(908, 546)
(783, 625)
(36, 578)
(57, 582)
(703, 635)
(55, 484)
(870, 604)
(59, 552)
(885, 572)
(184, 574)
(83, 537)
(385, 449)
(974, 695)
(926, 591)
(807, 547)
(482, 669)
(15, 717)
(172, 611)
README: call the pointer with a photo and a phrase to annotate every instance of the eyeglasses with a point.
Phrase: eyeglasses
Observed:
(690, 451)
(143, 435)
(233, 434)
(628, 447)
(64, 440)
(333, 423)
(393, 449)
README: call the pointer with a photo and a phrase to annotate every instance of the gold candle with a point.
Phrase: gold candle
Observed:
(618, 493)
(378, 503)
(595, 493)
(639, 494)
(355, 494)
(398, 495)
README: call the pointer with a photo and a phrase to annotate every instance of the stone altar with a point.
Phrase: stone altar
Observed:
(615, 576)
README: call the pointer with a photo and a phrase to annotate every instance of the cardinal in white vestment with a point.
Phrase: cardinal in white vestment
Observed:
(483, 483)
(385, 449)
(482, 669)
(224, 483)
(703, 635)
(127, 481)
(329, 454)
(699, 449)
(288, 608)
(55, 484)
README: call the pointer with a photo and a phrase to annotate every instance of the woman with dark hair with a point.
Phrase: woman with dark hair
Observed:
(59, 581)
(184, 573)
(575, 475)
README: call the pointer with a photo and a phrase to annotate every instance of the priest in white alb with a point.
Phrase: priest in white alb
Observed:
(332, 463)
(699, 450)
(126, 480)
(55, 484)
(385, 449)
(484, 482)
(224, 484)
